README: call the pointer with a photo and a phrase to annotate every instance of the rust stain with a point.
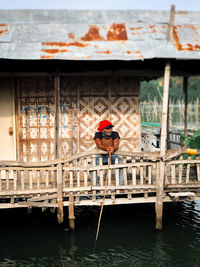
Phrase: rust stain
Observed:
(138, 54)
(93, 34)
(186, 46)
(61, 44)
(117, 32)
(3, 31)
(71, 35)
(46, 57)
(180, 12)
(104, 52)
(55, 51)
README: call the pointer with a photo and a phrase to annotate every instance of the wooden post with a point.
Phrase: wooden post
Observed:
(161, 166)
(71, 211)
(169, 39)
(78, 119)
(185, 89)
(57, 103)
(60, 193)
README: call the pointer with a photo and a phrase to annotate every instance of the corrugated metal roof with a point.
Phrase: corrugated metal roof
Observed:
(98, 35)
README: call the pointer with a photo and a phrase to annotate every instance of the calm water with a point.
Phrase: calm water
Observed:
(127, 237)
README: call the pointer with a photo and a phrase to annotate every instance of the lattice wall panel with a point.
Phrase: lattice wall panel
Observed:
(36, 119)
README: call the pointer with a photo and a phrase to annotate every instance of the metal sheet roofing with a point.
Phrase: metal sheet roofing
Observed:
(98, 35)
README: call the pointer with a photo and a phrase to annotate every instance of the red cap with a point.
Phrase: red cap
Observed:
(103, 125)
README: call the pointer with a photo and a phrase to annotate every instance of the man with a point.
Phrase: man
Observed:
(108, 140)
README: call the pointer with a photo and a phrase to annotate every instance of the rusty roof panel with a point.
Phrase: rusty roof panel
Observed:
(97, 35)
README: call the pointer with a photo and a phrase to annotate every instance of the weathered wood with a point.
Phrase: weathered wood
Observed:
(159, 193)
(185, 89)
(149, 174)
(164, 110)
(78, 120)
(171, 24)
(173, 174)
(60, 193)
(188, 172)
(71, 211)
(180, 168)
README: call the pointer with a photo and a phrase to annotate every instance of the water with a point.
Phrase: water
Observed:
(127, 237)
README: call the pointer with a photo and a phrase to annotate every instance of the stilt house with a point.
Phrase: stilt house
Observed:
(61, 73)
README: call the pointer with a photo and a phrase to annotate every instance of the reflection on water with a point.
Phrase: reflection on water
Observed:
(127, 237)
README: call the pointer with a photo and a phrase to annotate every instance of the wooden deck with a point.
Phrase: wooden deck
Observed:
(67, 182)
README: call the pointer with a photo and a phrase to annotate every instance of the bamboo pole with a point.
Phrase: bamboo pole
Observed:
(185, 89)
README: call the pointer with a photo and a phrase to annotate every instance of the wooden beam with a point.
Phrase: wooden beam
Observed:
(185, 89)
(171, 23)
(169, 39)
(57, 112)
(71, 211)
(60, 193)
(165, 109)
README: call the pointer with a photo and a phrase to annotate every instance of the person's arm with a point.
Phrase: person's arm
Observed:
(99, 144)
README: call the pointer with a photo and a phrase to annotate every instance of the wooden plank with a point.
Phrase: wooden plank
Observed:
(198, 172)
(30, 177)
(149, 174)
(15, 180)
(47, 179)
(187, 173)
(22, 179)
(180, 171)
(85, 173)
(124, 171)
(134, 176)
(173, 174)
(7, 180)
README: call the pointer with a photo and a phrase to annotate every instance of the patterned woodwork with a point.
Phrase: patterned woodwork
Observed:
(84, 102)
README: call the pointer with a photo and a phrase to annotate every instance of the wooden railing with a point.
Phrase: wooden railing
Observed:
(183, 171)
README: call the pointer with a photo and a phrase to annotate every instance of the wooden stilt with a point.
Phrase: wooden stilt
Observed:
(71, 211)
(60, 193)
(161, 167)
(185, 89)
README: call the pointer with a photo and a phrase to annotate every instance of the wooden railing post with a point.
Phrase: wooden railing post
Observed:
(60, 193)
(71, 211)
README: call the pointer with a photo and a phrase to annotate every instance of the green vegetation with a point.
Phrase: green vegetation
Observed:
(154, 89)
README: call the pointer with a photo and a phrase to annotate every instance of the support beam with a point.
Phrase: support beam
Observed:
(60, 193)
(161, 164)
(185, 89)
(170, 39)
(71, 211)
(57, 104)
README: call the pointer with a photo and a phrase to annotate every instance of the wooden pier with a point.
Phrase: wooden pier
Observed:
(67, 182)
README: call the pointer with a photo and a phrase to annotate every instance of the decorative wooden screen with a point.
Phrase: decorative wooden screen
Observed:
(36, 119)
(84, 102)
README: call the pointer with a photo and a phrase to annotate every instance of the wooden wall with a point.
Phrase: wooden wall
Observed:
(84, 102)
